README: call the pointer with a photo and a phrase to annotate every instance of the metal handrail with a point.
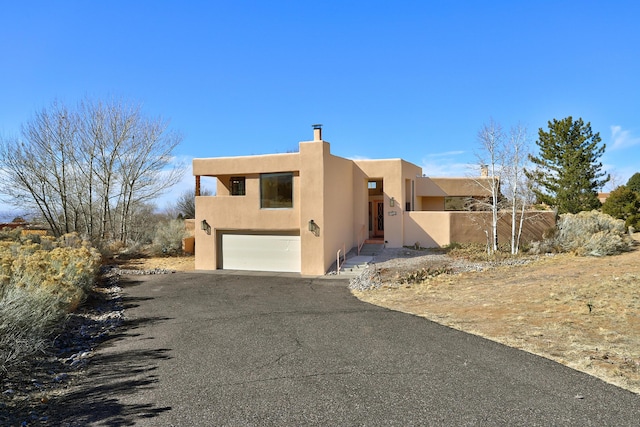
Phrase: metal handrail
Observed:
(361, 244)
(344, 257)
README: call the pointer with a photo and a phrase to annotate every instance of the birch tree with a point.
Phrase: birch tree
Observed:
(516, 153)
(503, 158)
(492, 155)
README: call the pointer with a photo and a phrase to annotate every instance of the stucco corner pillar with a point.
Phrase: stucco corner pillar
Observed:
(312, 207)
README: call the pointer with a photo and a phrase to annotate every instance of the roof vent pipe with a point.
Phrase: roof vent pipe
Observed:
(317, 132)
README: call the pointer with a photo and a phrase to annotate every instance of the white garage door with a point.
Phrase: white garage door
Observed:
(261, 252)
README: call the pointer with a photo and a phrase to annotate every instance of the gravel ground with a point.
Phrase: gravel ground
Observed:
(393, 266)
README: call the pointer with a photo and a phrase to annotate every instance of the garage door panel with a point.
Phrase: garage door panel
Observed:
(261, 252)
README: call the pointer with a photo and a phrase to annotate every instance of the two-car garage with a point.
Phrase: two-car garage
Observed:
(260, 252)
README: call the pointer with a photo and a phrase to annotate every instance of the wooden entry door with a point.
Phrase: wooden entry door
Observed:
(377, 218)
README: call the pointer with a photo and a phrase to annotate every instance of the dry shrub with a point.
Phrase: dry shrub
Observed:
(588, 234)
(114, 246)
(27, 320)
(40, 283)
(421, 275)
(478, 252)
(168, 238)
(8, 234)
(66, 272)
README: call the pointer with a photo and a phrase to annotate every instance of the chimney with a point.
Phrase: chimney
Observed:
(317, 132)
(484, 171)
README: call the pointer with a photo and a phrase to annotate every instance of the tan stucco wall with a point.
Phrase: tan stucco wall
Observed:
(242, 165)
(441, 187)
(323, 192)
(429, 229)
(332, 191)
(433, 229)
(224, 213)
(389, 171)
(427, 187)
(312, 173)
(432, 203)
(471, 226)
(338, 207)
(360, 204)
(394, 173)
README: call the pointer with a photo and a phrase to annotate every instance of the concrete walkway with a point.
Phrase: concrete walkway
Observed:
(236, 350)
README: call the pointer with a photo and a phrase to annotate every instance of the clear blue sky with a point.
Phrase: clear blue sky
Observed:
(409, 79)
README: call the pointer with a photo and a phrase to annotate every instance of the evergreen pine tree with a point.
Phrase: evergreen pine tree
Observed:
(623, 203)
(634, 182)
(567, 172)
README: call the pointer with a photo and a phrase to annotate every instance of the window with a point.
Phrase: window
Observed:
(237, 186)
(372, 185)
(276, 190)
(453, 203)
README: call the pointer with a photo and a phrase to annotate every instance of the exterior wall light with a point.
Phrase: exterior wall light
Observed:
(392, 202)
(204, 225)
(313, 227)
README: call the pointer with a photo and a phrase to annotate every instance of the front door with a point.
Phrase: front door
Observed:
(378, 218)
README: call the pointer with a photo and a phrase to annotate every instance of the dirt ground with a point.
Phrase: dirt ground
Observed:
(178, 263)
(583, 312)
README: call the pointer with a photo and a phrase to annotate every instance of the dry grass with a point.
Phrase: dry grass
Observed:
(178, 263)
(583, 312)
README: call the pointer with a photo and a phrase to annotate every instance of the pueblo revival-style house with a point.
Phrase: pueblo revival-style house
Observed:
(294, 212)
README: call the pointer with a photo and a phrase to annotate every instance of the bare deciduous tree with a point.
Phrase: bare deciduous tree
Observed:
(89, 168)
(503, 158)
(516, 154)
(492, 156)
(186, 203)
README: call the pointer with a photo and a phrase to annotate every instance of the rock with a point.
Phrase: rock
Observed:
(60, 377)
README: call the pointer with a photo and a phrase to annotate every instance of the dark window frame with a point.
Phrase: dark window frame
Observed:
(279, 187)
(238, 186)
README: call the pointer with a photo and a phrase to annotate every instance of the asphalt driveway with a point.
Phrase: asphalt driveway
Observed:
(205, 349)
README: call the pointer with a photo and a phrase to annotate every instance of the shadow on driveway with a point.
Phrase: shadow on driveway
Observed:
(115, 371)
(226, 349)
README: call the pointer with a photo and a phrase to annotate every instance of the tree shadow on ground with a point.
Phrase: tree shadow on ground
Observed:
(112, 374)
(96, 399)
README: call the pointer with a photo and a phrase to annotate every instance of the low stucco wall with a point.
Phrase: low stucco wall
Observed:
(189, 245)
(429, 229)
(470, 227)
(433, 229)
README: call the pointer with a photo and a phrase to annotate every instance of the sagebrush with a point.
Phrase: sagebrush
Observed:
(421, 275)
(587, 234)
(42, 279)
(168, 238)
